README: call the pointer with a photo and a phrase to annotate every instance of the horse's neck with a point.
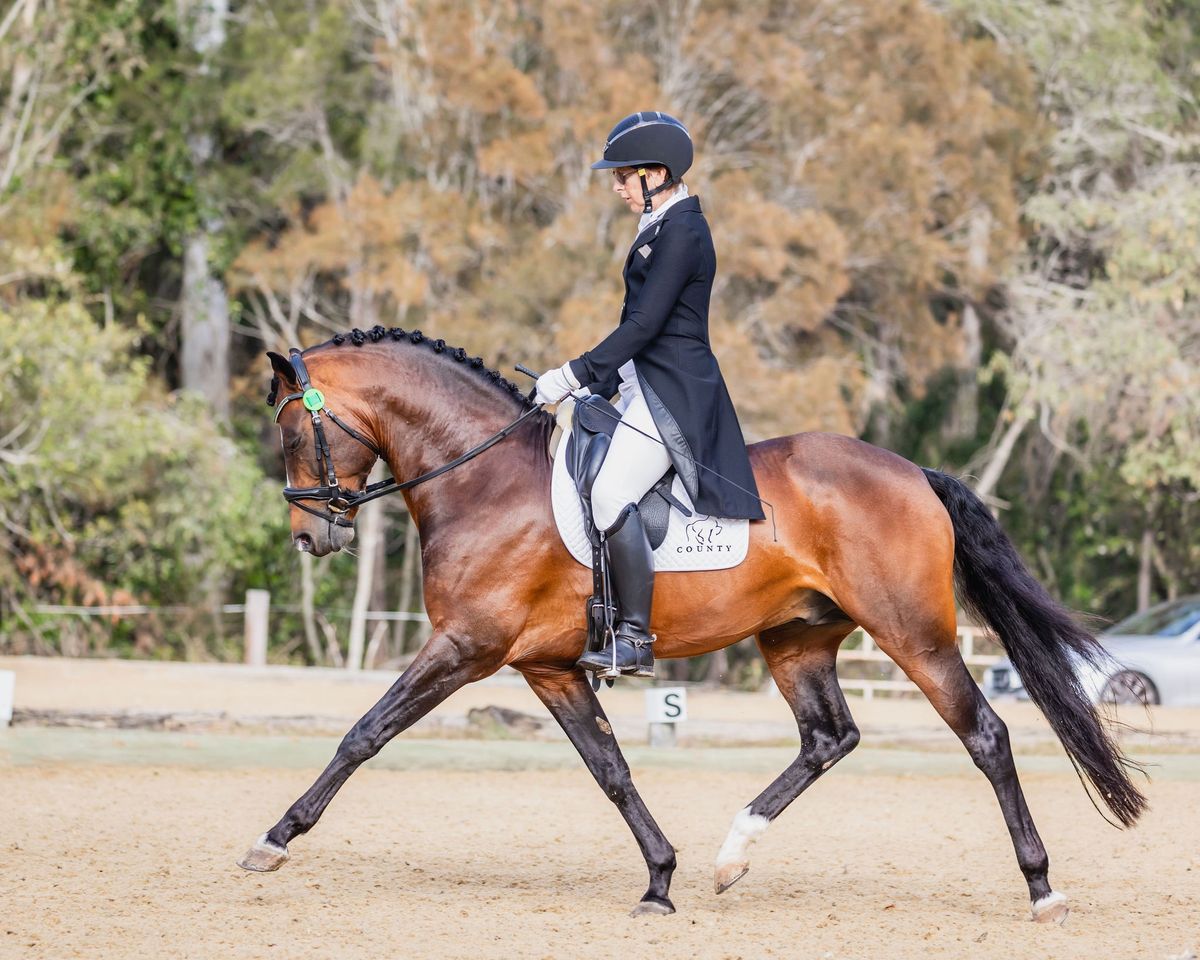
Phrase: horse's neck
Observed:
(432, 421)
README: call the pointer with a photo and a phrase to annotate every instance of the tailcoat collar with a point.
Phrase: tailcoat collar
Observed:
(689, 204)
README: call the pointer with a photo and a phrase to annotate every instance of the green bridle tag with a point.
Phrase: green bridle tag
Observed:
(313, 399)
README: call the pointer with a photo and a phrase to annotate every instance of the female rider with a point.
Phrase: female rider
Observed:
(660, 360)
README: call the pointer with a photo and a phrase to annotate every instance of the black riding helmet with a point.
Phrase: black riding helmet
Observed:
(649, 138)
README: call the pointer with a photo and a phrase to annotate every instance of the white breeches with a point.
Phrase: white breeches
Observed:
(633, 465)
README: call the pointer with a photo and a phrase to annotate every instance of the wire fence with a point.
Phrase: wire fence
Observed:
(252, 631)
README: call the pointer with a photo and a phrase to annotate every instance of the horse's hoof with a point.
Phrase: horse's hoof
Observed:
(727, 874)
(652, 908)
(1052, 908)
(264, 856)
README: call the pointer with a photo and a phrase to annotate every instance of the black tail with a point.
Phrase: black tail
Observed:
(1041, 638)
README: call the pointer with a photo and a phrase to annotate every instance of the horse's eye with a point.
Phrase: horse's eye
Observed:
(292, 444)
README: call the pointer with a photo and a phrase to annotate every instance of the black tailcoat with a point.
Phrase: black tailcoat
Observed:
(664, 329)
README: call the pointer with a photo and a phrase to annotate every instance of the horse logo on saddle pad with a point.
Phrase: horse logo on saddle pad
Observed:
(681, 539)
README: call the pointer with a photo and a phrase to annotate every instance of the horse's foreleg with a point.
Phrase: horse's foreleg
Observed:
(801, 660)
(443, 665)
(569, 698)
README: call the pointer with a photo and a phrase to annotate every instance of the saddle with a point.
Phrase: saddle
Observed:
(593, 422)
(592, 427)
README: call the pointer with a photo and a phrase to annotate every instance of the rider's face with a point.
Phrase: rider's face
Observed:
(628, 187)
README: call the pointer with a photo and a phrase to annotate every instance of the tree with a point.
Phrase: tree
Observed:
(92, 521)
(1102, 316)
(204, 309)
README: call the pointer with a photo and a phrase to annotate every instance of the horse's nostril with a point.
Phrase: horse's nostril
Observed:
(303, 542)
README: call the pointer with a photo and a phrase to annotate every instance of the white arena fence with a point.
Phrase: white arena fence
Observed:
(859, 655)
(862, 667)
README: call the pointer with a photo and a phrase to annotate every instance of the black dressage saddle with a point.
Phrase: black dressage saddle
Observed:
(592, 428)
(593, 424)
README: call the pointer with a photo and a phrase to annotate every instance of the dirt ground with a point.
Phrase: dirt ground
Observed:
(122, 844)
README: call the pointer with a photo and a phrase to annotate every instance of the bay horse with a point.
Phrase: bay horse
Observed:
(862, 537)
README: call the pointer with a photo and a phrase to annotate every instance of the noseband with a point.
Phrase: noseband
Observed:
(341, 500)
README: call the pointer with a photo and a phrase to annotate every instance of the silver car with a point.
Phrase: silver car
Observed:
(1155, 659)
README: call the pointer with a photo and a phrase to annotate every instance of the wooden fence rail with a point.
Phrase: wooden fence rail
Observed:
(867, 652)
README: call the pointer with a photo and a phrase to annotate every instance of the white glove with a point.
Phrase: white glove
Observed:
(555, 384)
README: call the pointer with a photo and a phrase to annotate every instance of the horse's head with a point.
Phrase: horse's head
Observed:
(327, 453)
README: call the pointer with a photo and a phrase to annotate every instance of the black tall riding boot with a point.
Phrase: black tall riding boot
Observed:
(631, 566)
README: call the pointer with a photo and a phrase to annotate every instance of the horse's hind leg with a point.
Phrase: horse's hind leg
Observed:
(569, 698)
(939, 671)
(802, 660)
(437, 671)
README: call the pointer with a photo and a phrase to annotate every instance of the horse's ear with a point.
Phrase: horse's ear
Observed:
(283, 369)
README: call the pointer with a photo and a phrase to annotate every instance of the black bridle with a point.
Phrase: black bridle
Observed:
(341, 500)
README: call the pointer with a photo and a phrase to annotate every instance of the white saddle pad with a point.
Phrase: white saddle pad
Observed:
(692, 543)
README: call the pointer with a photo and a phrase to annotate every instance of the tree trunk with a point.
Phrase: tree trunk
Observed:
(877, 397)
(377, 646)
(204, 329)
(1167, 575)
(718, 667)
(370, 529)
(1145, 570)
(378, 638)
(964, 414)
(410, 573)
(1000, 457)
(307, 614)
(16, 105)
(963, 420)
(332, 651)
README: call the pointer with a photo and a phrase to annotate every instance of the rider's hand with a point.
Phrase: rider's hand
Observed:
(555, 384)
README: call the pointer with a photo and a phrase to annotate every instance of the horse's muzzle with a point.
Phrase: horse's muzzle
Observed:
(323, 539)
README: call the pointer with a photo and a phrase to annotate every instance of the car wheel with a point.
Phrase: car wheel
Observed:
(1129, 687)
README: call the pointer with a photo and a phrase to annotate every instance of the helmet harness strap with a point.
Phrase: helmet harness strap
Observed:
(647, 193)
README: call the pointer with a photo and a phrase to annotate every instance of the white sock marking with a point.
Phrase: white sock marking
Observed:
(747, 827)
(263, 843)
(1048, 900)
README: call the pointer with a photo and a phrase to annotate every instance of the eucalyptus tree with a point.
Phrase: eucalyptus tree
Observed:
(1102, 359)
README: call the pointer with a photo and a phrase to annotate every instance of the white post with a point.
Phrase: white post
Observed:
(868, 646)
(258, 611)
(8, 684)
(968, 642)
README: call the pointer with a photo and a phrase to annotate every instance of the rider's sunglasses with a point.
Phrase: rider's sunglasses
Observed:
(622, 177)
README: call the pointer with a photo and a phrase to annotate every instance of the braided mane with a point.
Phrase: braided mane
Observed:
(377, 333)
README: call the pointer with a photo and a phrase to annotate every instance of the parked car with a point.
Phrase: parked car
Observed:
(1155, 659)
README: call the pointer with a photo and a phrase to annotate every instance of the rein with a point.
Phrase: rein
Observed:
(341, 500)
